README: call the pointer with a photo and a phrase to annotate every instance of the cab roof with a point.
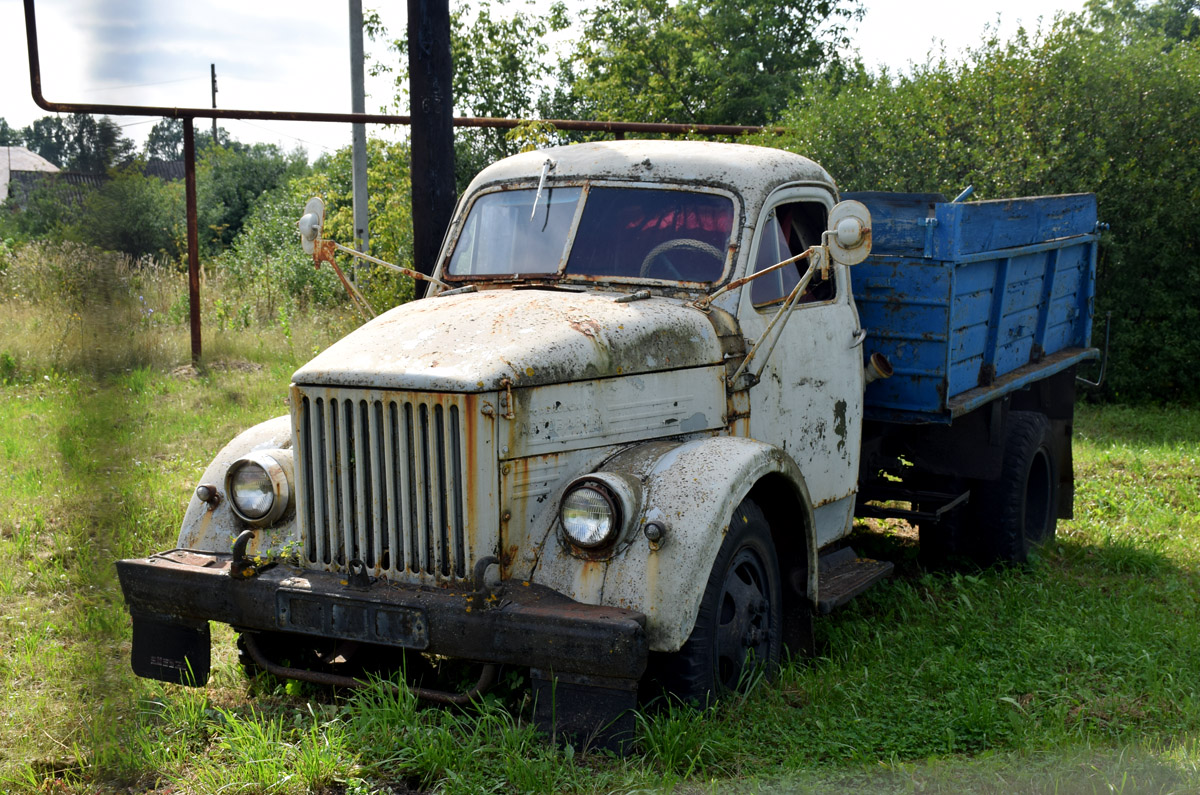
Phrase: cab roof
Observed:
(752, 171)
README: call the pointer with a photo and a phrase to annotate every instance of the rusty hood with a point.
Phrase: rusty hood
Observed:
(471, 342)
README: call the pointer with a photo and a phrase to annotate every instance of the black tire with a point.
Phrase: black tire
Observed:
(738, 630)
(1018, 512)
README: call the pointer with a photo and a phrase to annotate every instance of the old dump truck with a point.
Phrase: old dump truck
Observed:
(625, 436)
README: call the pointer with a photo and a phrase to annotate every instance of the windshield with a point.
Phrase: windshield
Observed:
(643, 233)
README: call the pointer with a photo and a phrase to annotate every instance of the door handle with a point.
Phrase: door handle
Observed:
(859, 336)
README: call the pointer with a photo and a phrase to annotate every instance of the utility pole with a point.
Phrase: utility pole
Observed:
(429, 68)
(214, 97)
(359, 131)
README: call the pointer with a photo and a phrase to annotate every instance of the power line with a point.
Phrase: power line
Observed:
(285, 135)
(139, 85)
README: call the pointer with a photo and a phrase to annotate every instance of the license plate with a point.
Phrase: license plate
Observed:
(352, 619)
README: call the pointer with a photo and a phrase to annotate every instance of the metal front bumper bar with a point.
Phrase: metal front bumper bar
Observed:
(172, 596)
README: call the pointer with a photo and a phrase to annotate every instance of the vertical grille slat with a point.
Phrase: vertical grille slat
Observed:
(379, 548)
(391, 474)
(408, 497)
(438, 497)
(421, 475)
(454, 489)
(362, 484)
(329, 473)
(380, 478)
(345, 471)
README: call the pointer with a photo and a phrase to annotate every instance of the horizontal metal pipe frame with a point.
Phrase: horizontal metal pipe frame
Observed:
(578, 125)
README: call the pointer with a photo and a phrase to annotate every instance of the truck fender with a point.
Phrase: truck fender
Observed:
(212, 529)
(690, 490)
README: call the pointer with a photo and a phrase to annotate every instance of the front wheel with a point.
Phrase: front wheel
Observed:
(738, 628)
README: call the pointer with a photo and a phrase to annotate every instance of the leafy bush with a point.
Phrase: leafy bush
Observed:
(136, 214)
(1105, 103)
(267, 264)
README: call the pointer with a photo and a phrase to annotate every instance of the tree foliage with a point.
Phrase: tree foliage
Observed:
(1104, 102)
(9, 136)
(164, 144)
(79, 142)
(136, 214)
(230, 178)
(503, 68)
(704, 61)
(267, 265)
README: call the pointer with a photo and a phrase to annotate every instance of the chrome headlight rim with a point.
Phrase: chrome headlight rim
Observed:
(624, 494)
(597, 487)
(274, 465)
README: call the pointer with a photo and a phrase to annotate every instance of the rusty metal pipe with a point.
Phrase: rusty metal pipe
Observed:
(487, 678)
(577, 125)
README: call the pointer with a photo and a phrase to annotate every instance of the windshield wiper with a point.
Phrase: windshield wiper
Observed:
(547, 167)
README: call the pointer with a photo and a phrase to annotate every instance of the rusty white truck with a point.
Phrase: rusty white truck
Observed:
(624, 438)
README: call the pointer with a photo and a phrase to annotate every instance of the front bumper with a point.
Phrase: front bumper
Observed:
(173, 595)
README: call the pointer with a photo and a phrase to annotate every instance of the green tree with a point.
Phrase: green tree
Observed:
(136, 214)
(267, 264)
(502, 68)
(164, 144)
(1097, 102)
(8, 135)
(50, 138)
(704, 61)
(80, 142)
(230, 179)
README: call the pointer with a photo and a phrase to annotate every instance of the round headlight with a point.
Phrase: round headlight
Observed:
(258, 490)
(589, 515)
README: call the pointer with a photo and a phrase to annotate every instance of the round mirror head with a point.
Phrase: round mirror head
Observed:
(311, 223)
(850, 232)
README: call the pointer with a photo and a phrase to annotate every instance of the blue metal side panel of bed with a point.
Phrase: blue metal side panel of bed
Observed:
(970, 301)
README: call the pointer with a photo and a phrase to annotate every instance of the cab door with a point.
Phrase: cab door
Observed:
(809, 400)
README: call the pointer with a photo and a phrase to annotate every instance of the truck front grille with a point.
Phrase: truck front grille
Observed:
(381, 479)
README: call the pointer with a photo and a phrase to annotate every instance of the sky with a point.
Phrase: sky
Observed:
(294, 55)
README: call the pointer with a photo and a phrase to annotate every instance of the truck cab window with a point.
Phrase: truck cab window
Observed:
(789, 229)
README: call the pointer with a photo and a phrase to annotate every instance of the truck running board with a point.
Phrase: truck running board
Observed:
(843, 575)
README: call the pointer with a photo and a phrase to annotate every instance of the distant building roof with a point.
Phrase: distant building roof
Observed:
(18, 158)
(167, 170)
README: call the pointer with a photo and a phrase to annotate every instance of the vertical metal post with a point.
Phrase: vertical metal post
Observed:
(193, 234)
(214, 98)
(429, 71)
(359, 131)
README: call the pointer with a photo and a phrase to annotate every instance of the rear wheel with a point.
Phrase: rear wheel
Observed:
(738, 628)
(1018, 512)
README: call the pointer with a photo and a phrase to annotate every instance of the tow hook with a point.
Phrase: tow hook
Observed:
(242, 567)
(357, 577)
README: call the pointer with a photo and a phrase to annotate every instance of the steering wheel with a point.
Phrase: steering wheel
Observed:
(685, 243)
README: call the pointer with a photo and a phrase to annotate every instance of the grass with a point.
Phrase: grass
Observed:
(1077, 674)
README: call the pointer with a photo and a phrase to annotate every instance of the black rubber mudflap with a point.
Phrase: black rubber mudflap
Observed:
(587, 711)
(843, 575)
(171, 651)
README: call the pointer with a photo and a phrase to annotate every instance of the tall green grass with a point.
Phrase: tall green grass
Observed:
(1076, 674)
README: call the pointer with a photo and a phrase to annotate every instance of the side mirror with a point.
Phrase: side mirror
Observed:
(849, 233)
(312, 223)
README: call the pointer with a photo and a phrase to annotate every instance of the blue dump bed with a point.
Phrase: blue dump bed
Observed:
(972, 300)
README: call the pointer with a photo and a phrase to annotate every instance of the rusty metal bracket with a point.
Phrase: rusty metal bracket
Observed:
(506, 400)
